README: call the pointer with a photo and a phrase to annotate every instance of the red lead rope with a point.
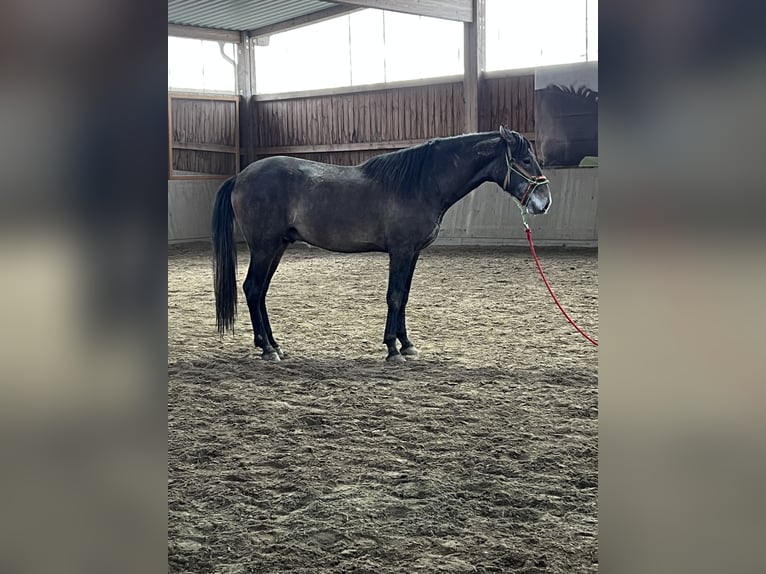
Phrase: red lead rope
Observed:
(545, 280)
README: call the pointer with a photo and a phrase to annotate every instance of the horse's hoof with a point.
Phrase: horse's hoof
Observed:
(397, 358)
(271, 356)
(410, 351)
(280, 353)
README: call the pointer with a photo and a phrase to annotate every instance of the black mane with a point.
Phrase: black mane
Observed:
(399, 169)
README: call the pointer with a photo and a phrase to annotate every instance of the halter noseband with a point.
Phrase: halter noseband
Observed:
(532, 182)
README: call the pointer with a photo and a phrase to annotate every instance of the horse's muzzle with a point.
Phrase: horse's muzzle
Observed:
(539, 200)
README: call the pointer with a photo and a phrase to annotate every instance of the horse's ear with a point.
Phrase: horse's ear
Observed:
(509, 135)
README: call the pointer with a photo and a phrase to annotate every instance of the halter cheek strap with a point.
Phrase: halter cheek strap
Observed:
(532, 182)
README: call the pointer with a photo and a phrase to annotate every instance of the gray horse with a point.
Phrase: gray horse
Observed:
(392, 203)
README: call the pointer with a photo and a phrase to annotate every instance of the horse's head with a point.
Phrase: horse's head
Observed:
(524, 179)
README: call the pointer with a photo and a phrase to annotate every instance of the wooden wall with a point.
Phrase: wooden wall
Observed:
(204, 134)
(509, 101)
(348, 128)
(340, 127)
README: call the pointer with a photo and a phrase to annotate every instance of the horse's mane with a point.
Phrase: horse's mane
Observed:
(398, 169)
(586, 93)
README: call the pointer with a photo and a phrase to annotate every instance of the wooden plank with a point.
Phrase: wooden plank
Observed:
(316, 120)
(441, 107)
(353, 136)
(493, 98)
(178, 95)
(369, 132)
(290, 117)
(530, 81)
(397, 132)
(278, 130)
(431, 127)
(412, 115)
(333, 120)
(377, 116)
(339, 115)
(305, 126)
(456, 101)
(205, 147)
(305, 20)
(325, 126)
(459, 10)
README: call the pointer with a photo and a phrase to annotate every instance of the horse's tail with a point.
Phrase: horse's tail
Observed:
(224, 259)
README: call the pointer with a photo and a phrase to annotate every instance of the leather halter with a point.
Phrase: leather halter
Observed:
(533, 182)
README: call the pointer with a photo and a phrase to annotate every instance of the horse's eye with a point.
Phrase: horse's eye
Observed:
(527, 161)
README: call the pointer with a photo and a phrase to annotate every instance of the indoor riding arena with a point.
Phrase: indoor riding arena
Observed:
(478, 454)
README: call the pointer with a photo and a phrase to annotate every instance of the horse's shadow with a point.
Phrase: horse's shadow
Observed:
(249, 367)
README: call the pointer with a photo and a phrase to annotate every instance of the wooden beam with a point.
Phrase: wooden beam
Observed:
(199, 33)
(474, 63)
(246, 90)
(300, 21)
(459, 10)
(245, 69)
(179, 95)
(206, 147)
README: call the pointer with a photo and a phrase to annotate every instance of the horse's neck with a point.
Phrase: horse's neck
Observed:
(467, 164)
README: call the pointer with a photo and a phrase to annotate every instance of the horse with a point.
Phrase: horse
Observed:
(392, 203)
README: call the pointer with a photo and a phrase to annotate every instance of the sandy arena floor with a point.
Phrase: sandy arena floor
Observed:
(479, 456)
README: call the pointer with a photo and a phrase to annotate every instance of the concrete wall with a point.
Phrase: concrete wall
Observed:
(489, 217)
(485, 217)
(190, 206)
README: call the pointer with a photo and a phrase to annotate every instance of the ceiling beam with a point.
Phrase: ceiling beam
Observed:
(199, 33)
(305, 20)
(460, 10)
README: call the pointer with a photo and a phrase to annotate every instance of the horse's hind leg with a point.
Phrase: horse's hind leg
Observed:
(264, 291)
(255, 287)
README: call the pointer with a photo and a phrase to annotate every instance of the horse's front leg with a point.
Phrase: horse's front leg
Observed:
(399, 277)
(408, 349)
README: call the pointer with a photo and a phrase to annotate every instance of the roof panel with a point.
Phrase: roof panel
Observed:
(239, 15)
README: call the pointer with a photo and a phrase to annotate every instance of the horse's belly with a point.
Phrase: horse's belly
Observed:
(346, 246)
(341, 232)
